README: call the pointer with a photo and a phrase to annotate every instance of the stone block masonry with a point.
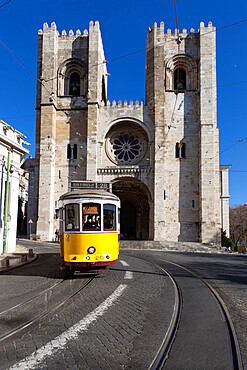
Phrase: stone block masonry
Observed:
(161, 154)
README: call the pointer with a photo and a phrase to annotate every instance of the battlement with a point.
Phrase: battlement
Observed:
(124, 104)
(159, 30)
(92, 27)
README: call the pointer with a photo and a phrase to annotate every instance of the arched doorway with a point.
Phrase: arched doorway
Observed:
(128, 220)
(135, 209)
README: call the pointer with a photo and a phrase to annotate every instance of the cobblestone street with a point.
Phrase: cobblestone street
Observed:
(117, 320)
(118, 338)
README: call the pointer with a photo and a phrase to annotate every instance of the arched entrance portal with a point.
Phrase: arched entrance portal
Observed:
(128, 220)
(135, 209)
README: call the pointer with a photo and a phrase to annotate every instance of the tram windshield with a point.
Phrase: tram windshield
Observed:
(109, 217)
(91, 216)
(72, 217)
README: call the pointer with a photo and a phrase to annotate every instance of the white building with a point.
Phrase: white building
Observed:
(11, 146)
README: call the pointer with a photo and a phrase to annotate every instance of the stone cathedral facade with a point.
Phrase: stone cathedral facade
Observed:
(161, 156)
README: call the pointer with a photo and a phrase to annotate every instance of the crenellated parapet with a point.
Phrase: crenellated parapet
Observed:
(92, 27)
(125, 104)
(159, 30)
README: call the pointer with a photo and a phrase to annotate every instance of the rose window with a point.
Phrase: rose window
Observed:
(126, 148)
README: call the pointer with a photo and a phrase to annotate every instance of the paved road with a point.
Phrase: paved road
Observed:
(226, 273)
(107, 325)
(126, 333)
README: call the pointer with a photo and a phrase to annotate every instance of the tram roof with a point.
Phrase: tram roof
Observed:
(88, 194)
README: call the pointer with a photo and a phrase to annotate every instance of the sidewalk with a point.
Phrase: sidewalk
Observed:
(169, 246)
(20, 257)
(24, 255)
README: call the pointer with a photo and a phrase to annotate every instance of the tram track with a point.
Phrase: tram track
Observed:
(166, 344)
(159, 361)
(235, 348)
(30, 299)
(7, 317)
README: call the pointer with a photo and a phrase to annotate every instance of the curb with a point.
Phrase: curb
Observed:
(18, 260)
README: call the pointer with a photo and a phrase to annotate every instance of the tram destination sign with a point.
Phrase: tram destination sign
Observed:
(96, 185)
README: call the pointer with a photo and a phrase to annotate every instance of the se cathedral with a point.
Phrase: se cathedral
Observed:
(161, 155)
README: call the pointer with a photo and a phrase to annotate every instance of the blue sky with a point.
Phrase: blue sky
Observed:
(124, 27)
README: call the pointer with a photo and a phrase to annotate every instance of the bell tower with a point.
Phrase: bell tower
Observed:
(74, 84)
(181, 99)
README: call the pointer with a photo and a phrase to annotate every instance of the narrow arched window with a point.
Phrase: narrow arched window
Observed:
(177, 150)
(68, 151)
(179, 79)
(103, 90)
(75, 151)
(74, 84)
(183, 150)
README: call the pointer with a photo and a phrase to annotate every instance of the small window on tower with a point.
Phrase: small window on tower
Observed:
(75, 151)
(177, 150)
(179, 79)
(183, 150)
(180, 150)
(68, 151)
(74, 84)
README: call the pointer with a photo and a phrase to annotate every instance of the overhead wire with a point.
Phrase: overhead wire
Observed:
(144, 49)
(232, 119)
(29, 115)
(119, 57)
(5, 3)
(218, 121)
(218, 153)
(238, 142)
(136, 52)
(129, 54)
(223, 27)
(178, 76)
(173, 111)
(37, 78)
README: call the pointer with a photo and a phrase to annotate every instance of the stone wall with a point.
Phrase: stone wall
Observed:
(176, 164)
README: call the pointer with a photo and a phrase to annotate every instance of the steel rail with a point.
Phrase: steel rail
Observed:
(40, 316)
(32, 298)
(166, 344)
(162, 353)
(234, 344)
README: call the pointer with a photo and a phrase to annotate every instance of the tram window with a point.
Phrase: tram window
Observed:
(109, 217)
(72, 217)
(91, 216)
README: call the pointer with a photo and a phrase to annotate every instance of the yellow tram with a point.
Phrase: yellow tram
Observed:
(89, 228)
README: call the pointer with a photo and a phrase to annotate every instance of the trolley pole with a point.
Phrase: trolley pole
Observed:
(6, 206)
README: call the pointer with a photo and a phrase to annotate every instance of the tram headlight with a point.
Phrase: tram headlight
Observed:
(91, 250)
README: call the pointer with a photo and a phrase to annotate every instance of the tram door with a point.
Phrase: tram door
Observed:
(128, 220)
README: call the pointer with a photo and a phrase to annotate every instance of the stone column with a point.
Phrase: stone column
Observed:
(46, 174)
(155, 96)
(46, 119)
(209, 143)
(225, 199)
(94, 83)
